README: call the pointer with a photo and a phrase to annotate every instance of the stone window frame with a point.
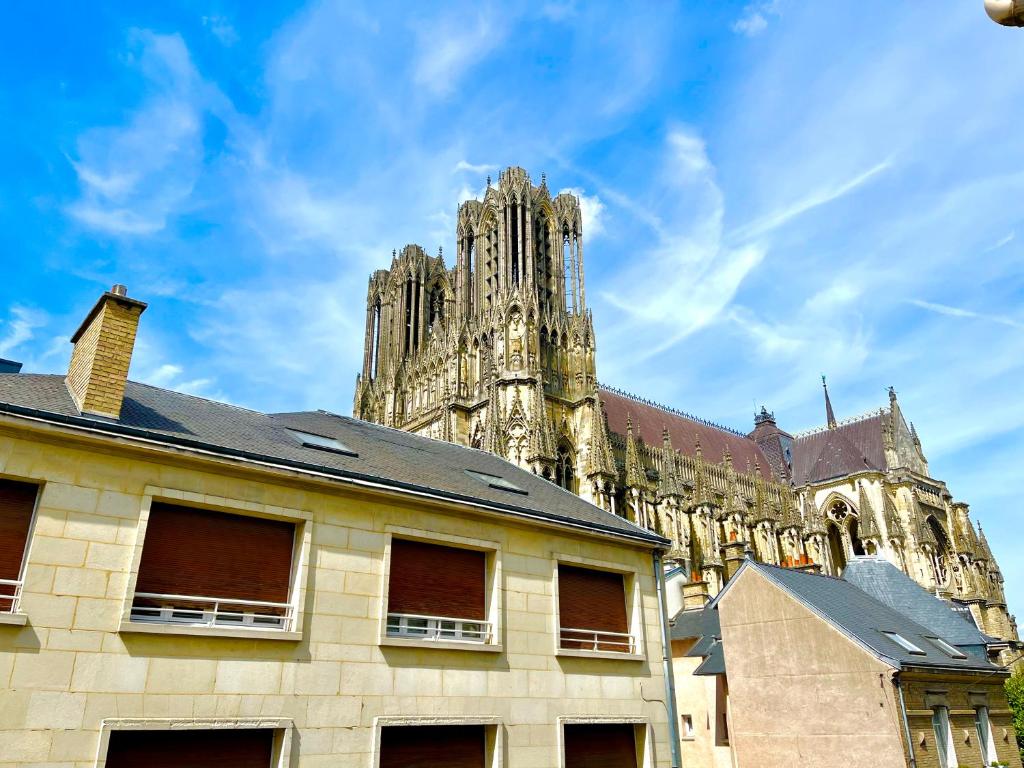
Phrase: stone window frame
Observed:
(642, 728)
(494, 725)
(303, 521)
(634, 606)
(20, 619)
(283, 728)
(494, 607)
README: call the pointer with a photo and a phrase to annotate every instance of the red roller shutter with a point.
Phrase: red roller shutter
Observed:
(589, 599)
(432, 746)
(191, 551)
(227, 748)
(611, 745)
(433, 580)
(17, 501)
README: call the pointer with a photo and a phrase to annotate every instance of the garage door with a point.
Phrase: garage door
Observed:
(611, 745)
(234, 748)
(433, 746)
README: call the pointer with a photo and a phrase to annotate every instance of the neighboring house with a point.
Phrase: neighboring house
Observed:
(812, 670)
(951, 620)
(187, 582)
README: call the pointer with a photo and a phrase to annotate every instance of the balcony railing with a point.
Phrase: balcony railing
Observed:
(596, 640)
(197, 611)
(10, 596)
(434, 628)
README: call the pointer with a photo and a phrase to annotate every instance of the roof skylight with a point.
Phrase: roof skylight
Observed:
(903, 643)
(494, 481)
(320, 442)
(949, 650)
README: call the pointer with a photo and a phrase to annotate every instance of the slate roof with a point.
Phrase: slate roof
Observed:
(862, 618)
(387, 456)
(649, 420)
(703, 624)
(888, 584)
(851, 447)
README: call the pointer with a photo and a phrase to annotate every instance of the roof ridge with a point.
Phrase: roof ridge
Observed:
(196, 397)
(841, 423)
(670, 409)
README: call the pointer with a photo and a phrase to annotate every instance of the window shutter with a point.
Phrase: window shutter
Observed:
(432, 746)
(611, 745)
(434, 580)
(198, 552)
(17, 501)
(222, 748)
(589, 599)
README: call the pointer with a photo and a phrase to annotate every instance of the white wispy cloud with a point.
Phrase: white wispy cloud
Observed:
(20, 327)
(949, 311)
(450, 45)
(222, 29)
(685, 281)
(754, 18)
(815, 199)
(467, 167)
(135, 177)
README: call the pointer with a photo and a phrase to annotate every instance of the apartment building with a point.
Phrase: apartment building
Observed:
(186, 582)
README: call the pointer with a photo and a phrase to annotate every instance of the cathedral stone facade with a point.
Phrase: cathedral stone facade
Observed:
(498, 352)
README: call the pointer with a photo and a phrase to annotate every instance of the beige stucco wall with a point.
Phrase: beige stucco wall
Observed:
(800, 692)
(70, 668)
(696, 696)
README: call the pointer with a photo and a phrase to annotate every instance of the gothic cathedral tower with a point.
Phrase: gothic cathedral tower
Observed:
(497, 353)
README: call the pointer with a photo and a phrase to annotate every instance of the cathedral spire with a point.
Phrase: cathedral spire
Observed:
(830, 416)
(634, 470)
(668, 484)
(892, 519)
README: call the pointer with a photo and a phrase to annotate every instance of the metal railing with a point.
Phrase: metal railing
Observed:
(433, 628)
(10, 595)
(596, 640)
(198, 611)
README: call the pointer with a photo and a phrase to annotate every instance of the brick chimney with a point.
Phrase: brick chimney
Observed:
(103, 351)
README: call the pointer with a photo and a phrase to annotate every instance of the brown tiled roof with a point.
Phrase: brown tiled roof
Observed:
(852, 447)
(649, 420)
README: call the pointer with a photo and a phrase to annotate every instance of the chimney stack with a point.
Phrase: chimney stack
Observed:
(103, 352)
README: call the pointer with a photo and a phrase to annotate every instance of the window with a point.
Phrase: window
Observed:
(17, 506)
(437, 592)
(600, 745)
(592, 611)
(309, 440)
(433, 746)
(903, 643)
(494, 481)
(222, 747)
(686, 726)
(203, 568)
(944, 748)
(985, 741)
(946, 648)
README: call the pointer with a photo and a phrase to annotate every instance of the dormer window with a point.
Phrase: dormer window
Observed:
(903, 643)
(494, 481)
(321, 442)
(946, 648)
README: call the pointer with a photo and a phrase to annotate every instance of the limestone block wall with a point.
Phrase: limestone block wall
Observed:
(70, 668)
(801, 693)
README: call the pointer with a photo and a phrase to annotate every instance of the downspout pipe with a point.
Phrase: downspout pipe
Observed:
(666, 658)
(903, 717)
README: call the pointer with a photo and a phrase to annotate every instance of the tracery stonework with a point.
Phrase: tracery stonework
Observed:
(499, 353)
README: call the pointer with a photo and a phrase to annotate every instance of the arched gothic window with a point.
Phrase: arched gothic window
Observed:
(565, 474)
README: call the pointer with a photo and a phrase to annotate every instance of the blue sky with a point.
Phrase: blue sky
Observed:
(773, 191)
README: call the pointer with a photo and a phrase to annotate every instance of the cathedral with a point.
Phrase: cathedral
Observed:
(498, 353)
